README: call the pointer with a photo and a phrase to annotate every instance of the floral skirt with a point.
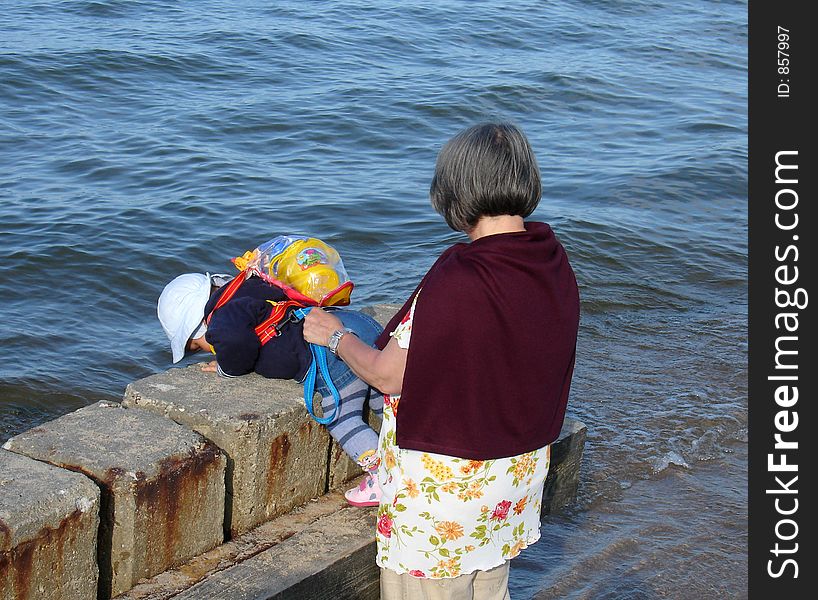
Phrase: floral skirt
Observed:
(442, 516)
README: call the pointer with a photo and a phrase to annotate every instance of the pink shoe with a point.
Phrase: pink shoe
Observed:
(367, 493)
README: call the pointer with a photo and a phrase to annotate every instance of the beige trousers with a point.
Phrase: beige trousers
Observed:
(480, 585)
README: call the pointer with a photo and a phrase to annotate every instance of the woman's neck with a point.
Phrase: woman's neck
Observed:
(492, 225)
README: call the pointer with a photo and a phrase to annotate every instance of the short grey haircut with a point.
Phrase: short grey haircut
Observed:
(486, 170)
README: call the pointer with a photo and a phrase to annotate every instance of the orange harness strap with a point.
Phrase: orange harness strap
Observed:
(228, 293)
(268, 329)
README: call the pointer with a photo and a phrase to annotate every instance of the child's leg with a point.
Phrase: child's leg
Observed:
(358, 439)
(349, 429)
(376, 403)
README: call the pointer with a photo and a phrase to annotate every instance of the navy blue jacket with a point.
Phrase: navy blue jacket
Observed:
(232, 334)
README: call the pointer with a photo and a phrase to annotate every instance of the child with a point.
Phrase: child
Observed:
(193, 318)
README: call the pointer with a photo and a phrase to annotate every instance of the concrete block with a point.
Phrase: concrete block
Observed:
(382, 313)
(562, 481)
(49, 519)
(277, 454)
(162, 486)
(170, 583)
(341, 469)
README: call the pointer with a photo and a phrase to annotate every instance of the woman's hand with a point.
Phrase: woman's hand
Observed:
(382, 369)
(319, 326)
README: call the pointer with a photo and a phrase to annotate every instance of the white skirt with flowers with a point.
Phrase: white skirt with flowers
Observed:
(442, 516)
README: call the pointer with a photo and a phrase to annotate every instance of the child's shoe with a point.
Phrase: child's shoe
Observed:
(367, 493)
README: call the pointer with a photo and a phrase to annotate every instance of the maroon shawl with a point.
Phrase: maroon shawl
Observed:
(492, 349)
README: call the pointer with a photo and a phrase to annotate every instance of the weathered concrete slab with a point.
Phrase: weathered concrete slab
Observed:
(334, 559)
(49, 519)
(341, 468)
(162, 486)
(277, 454)
(562, 481)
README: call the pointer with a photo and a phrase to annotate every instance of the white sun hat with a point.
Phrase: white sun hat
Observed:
(181, 310)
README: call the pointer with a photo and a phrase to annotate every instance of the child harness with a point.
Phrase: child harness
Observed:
(271, 327)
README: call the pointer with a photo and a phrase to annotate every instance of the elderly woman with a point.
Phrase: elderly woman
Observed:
(475, 369)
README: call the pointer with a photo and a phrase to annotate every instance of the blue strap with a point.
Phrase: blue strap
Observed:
(319, 361)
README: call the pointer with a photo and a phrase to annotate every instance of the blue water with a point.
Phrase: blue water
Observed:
(143, 139)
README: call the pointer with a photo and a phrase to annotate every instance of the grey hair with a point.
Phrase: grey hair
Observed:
(487, 170)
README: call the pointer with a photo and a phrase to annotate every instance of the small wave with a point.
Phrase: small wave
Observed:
(661, 463)
(25, 404)
(710, 128)
(110, 9)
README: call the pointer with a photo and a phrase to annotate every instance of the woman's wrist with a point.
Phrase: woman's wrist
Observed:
(336, 337)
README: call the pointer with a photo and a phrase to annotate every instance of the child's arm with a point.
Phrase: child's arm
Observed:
(232, 334)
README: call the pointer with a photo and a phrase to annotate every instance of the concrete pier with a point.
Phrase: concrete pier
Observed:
(324, 550)
(195, 487)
